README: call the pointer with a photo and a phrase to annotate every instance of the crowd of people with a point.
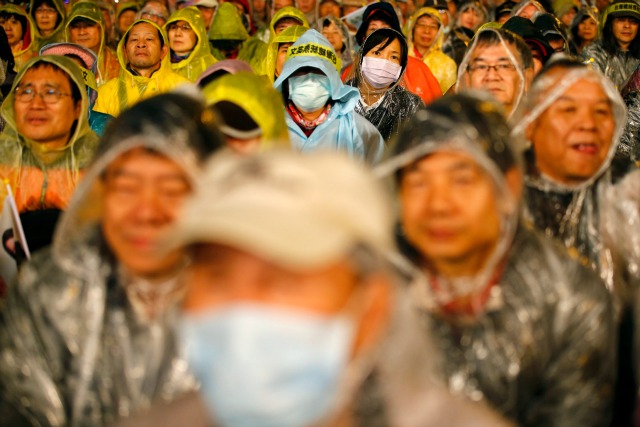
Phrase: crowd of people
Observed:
(310, 213)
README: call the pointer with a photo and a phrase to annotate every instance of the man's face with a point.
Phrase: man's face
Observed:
(182, 38)
(306, 6)
(334, 35)
(282, 57)
(12, 28)
(154, 12)
(46, 123)
(143, 49)
(572, 138)
(375, 24)
(87, 34)
(285, 23)
(450, 211)
(625, 29)
(425, 32)
(330, 7)
(207, 15)
(125, 20)
(46, 17)
(470, 18)
(500, 79)
(142, 196)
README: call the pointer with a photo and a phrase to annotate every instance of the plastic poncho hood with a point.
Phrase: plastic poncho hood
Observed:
(313, 50)
(287, 12)
(90, 11)
(348, 41)
(164, 63)
(475, 125)
(28, 36)
(200, 57)
(433, 13)
(258, 99)
(58, 33)
(512, 55)
(546, 90)
(289, 35)
(227, 24)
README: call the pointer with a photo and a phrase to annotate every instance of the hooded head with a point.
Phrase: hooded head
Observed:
(85, 14)
(126, 12)
(288, 15)
(227, 24)
(155, 49)
(572, 118)
(499, 62)
(620, 9)
(27, 27)
(337, 32)
(527, 9)
(540, 48)
(459, 184)
(383, 13)
(586, 13)
(44, 18)
(552, 30)
(193, 17)
(274, 51)
(471, 14)
(249, 109)
(438, 37)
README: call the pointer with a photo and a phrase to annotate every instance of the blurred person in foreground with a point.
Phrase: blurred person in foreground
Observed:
(293, 317)
(523, 326)
(88, 334)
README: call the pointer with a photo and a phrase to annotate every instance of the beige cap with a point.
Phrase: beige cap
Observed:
(298, 211)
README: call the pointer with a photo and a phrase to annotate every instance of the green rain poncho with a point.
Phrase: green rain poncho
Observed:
(287, 12)
(200, 57)
(40, 178)
(289, 35)
(258, 99)
(227, 26)
(108, 66)
(58, 33)
(29, 43)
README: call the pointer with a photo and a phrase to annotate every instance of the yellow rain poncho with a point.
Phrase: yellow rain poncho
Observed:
(227, 26)
(200, 57)
(108, 66)
(40, 178)
(258, 99)
(287, 12)
(442, 66)
(58, 33)
(289, 35)
(127, 89)
(29, 45)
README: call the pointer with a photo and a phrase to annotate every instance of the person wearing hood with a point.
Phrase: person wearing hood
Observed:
(125, 16)
(44, 148)
(92, 318)
(523, 326)
(470, 16)
(565, 10)
(584, 30)
(337, 32)
(277, 51)
(286, 17)
(320, 108)
(498, 62)
(617, 53)
(188, 43)
(310, 8)
(377, 72)
(49, 17)
(572, 120)
(250, 110)
(229, 38)
(541, 50)
(425, 37)
(85, 26)
(553, 31)
(21, 34)
(417, 78)
(154, 11)
(246, 14)
(143, 54)
(207, 9)
(528, 9)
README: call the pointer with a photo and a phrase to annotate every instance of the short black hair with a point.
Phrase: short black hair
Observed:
(126, 37)
(76, 96)
(20, 18)
(492, 37)
(386, 36)
(51, 4)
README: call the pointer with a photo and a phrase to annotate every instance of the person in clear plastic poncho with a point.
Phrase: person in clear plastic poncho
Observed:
(425, 36)
(251, 112)
(572, 120)
(498, 62)
(85, 26)
(293, 318)
(87, 336)
(143, 53)
(319, 107)
(377, 72)
(189, 43)
(337, 32)
(522, 326)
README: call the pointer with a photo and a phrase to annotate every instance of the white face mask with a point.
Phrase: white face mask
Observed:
(263, 366)
(380, 73)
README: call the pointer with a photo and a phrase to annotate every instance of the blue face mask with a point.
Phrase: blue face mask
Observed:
(261, 366)
(309, 92)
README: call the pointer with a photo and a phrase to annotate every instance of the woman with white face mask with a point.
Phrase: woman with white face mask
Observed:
(380, 65)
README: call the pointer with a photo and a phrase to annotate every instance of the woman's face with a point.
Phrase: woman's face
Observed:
(588, 29)
(334, 35)
(393, 52)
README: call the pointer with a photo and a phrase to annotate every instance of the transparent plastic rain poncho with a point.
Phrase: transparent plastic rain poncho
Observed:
(540, 350)
(395, 104)
(77, 347)
(629, 147)
(348, 41)
(571, 214)
(463, 84)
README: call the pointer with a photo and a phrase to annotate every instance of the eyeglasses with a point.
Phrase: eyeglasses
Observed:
(46, 11)
(49, 96)
(183, 27)
(502, 68)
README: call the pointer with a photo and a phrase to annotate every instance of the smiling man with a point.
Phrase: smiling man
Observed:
(143, 54)
(500, 63)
